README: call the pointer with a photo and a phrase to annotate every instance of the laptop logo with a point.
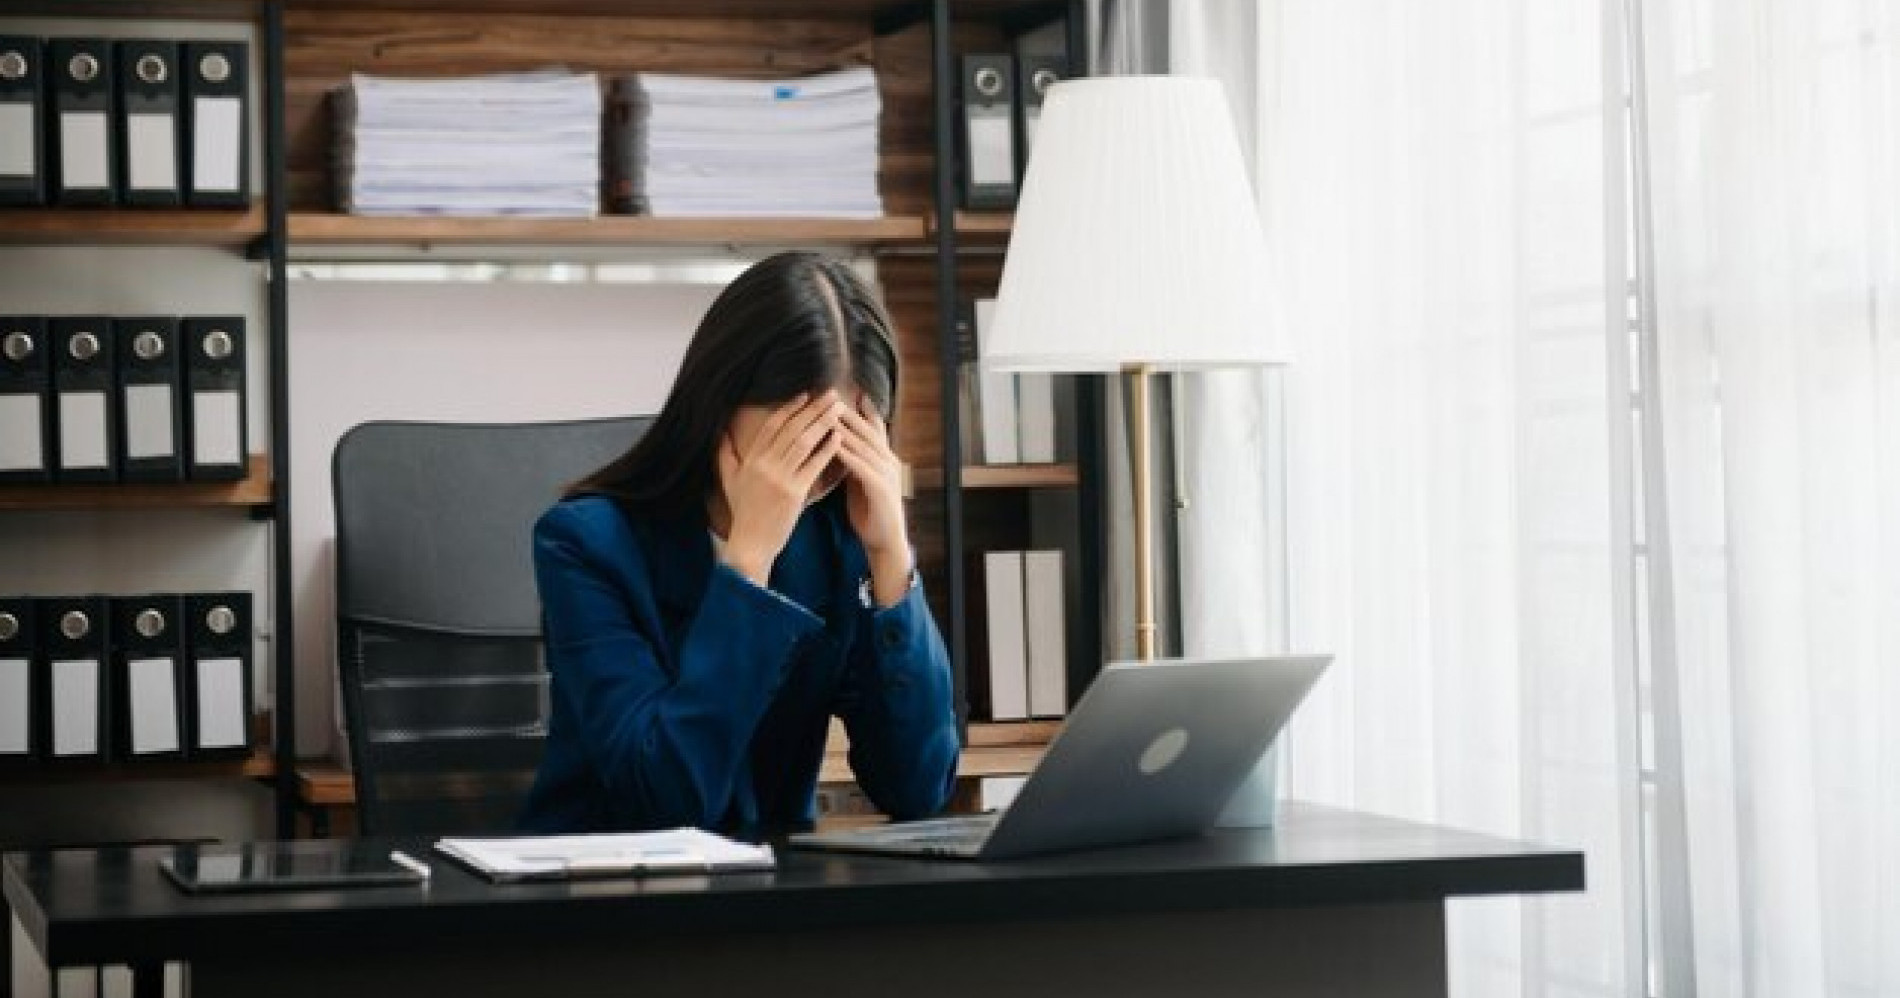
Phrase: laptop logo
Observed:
(1163, 751)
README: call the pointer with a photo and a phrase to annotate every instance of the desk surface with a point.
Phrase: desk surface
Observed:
(114, 906)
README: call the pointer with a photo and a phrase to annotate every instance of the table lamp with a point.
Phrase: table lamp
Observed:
(1137, 248)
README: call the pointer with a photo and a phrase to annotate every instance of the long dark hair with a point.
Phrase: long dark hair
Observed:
(792, 323)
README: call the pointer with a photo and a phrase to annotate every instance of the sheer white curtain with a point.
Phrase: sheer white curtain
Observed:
(1432, 176)
(1774, 173)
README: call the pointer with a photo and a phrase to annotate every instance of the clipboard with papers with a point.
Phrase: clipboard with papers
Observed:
(619, 854)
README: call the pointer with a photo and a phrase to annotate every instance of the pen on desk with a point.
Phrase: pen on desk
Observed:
(410, 863)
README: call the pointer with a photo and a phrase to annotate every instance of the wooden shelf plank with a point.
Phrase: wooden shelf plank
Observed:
(140, 10)
(253, 490)
(1002, 760)
(996, 734)
(131, 227)
(1004, 476)
(850, 9)
(983, 225)
(258, 765)
(309, 229)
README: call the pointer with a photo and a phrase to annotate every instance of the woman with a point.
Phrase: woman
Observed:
(712, 598)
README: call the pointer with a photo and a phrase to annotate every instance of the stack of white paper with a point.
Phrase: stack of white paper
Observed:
(700, 146)
(508, 144)
(559, 857)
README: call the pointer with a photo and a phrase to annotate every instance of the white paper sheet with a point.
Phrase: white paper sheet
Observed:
(17, 140)
(22, 440)
(75, 707)
(222, 712)
(152, 685)
(152, 148)
(216, 417)
(149, 416)
(82, 431)
(680, 850)
(85, 163)
(16, 706)
(215, 143)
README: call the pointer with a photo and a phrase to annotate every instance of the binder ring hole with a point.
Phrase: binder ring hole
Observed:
(218, 344)
(988, 82)
(220, 620)
(17, 346)
(74, 625)
(1043, 80)
(148, 345)
(12, 65)
(84, 67)
(9, 627)
(215, 68)
(152, 68)
(149, 623)
(83, 346)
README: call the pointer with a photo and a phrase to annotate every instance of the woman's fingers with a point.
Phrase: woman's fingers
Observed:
(820, 458)
(795, 437)
(774, 425)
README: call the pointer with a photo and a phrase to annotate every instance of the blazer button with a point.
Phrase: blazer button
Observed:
(892, 637)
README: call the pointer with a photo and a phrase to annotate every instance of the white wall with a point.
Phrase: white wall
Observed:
(462, 352)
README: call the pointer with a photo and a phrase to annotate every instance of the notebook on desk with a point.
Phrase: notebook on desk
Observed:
(1155, 750)
(565, 857)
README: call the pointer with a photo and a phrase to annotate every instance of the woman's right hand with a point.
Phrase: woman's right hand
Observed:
(768, 481)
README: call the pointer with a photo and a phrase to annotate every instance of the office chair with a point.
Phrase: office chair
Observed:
(438, 623)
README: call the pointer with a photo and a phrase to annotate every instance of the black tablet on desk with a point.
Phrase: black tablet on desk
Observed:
(276, 866)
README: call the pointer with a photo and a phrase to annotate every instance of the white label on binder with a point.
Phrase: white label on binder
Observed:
(1036, 417)
(221, 708)
(1001, 440)
(148, 421)
(152, 684)
(75, 707)
(1009, 660)
(16, 140)
(16, 706)
(84, 163)
(1048, 646)
(152, 150)
(214, 428)
(991, 159)
(214, 150)
(22, 445)
(82, 430)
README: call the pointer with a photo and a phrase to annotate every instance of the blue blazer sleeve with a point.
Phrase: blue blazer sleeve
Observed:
(897, 706)
(667, 733)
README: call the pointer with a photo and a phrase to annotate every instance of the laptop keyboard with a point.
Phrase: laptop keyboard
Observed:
(962, 829)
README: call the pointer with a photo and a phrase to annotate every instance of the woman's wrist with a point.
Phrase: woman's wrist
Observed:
(891, 571)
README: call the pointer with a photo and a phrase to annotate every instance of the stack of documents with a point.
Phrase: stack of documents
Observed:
(559, 857)
(509, 144)
(704, 147)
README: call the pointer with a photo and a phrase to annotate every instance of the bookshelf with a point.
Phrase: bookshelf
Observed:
(146, 241)
(928, 253)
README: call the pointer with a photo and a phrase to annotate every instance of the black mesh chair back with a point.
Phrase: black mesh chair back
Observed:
(438, 623)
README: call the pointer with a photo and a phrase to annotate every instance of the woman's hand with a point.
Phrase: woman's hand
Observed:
(766, 485)
(875, 499)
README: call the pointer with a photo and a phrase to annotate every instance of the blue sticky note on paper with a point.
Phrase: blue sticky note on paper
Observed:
(784, 92)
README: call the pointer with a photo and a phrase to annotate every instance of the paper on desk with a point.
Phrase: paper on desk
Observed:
(680, 850)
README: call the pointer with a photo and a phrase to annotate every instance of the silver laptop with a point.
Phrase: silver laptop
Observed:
(1155, 750)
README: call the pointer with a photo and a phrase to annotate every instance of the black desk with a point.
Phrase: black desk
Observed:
(1331, 902)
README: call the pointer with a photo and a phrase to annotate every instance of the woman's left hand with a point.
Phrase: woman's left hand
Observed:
(875, 499)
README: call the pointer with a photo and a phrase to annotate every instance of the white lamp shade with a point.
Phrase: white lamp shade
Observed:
(1136, 239)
